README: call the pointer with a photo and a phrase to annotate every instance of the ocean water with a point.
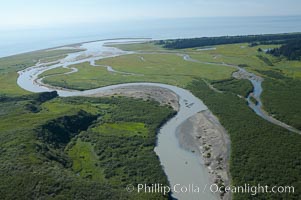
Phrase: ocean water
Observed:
(19, 41)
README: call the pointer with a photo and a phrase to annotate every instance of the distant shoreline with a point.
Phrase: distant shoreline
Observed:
(74, 44)
(146, 38)
(19, 41)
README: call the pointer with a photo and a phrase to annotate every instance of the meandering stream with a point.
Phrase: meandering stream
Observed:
(256, 81)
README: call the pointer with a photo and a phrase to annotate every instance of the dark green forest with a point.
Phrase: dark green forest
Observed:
(290, 50)
(209, 41)
(72, 148)
(241, 87)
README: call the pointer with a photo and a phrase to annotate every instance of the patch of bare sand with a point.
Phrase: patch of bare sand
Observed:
(204, 134)
(161, 95)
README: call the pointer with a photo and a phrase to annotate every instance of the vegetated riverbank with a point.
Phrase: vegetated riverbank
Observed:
(260, 151)
(50, 154)
(281, 97)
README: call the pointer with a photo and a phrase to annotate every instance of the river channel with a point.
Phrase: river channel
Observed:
(182, 167)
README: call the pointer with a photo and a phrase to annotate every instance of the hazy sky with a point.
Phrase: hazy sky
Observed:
(32, 13)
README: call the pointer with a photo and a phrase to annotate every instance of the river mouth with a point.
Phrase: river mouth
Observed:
(182, 167)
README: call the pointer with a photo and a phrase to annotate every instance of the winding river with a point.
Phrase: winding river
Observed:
(181, 166)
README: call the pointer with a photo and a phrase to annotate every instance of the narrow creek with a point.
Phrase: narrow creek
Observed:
(256, 81)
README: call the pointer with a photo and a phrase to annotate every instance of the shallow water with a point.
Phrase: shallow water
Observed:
(12, 42)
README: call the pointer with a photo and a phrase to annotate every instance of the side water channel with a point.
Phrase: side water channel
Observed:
(256, 94)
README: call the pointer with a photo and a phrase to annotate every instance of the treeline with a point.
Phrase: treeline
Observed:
(38, 97)
(208, 41)
(60, 131)
(236, 86)
(291, 50)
